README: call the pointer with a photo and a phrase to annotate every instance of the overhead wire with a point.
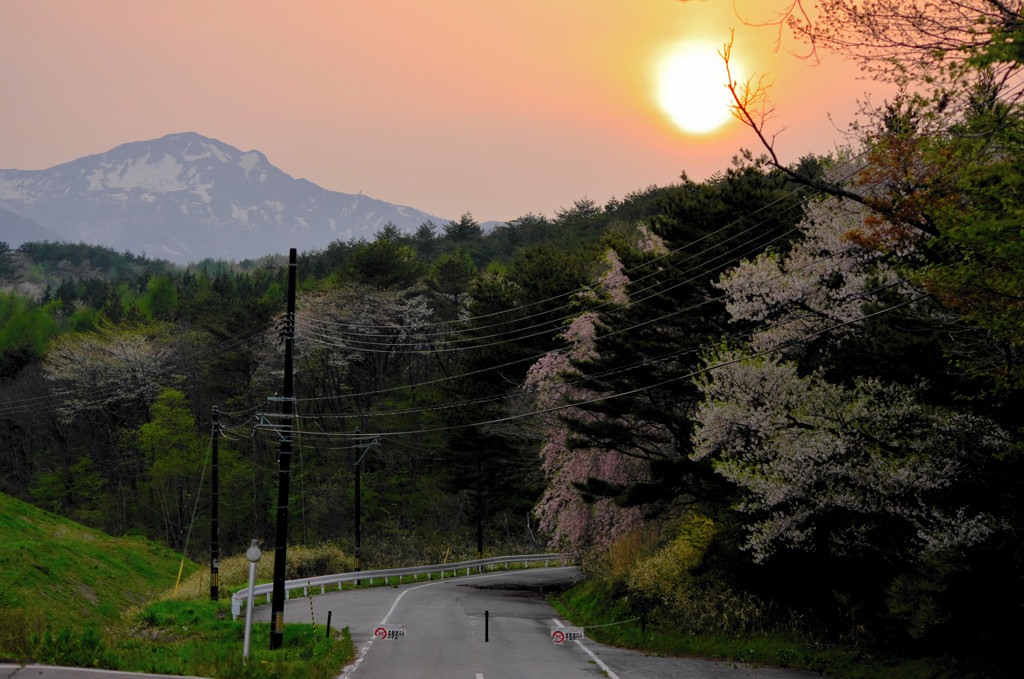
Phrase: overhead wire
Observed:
(643, 363)
(629, 392)
(350, 338)
(645, 264)
(100, 395)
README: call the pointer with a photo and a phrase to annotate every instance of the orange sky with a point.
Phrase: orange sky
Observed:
(495, 107)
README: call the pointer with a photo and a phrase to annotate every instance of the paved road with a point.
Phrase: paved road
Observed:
(445, 634)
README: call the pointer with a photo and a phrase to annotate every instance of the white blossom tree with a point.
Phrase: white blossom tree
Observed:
(825, 459)
(822, 466)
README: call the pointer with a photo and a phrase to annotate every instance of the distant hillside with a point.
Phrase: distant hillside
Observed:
(185, 197)
(57, 573)
(15, 229)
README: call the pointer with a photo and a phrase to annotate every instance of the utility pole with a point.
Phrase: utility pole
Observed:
(356, 510)
(215, 511)
(361, 450)
(280, 550)
(479, 512)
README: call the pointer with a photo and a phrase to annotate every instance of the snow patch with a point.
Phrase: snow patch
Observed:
(218, 152)
(240, 214)
(201, 190)
(160, 176)
(248, 162)
(12, 189)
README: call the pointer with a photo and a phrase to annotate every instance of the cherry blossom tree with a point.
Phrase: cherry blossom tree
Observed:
(823, 282)
(809, 445)
(834, 414)
(118, 371)
(845, 469)
(577, 524)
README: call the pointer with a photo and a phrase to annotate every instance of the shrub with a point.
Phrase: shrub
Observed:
(73, 649)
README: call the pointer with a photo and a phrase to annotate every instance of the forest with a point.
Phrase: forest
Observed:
(785, 397)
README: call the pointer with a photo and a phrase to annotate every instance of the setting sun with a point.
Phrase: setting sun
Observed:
(692, 87)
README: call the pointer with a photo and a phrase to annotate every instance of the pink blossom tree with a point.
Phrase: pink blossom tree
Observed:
(578, 525)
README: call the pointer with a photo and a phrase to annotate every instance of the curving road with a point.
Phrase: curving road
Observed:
(444, 624)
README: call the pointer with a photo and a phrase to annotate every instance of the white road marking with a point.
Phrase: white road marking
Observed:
(351, 669)
(479, 676)
(600, 663)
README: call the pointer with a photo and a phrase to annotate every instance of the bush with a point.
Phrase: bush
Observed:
(73, 649)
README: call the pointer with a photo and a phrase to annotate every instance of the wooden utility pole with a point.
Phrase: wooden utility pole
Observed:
(287, 403)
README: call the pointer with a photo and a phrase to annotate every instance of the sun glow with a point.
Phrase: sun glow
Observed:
(692, 87)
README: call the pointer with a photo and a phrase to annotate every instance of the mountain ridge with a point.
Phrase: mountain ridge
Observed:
(185, 197)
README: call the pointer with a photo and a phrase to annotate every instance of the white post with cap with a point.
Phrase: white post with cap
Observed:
(253, 554)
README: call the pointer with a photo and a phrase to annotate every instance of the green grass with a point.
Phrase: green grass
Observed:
(74, 596)
(55, 573)
(591, 603)
(198, 638)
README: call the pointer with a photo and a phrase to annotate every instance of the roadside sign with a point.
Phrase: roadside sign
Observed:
(389, 632)
(562, 635)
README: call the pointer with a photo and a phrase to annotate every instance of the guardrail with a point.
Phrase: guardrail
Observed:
(323, 581)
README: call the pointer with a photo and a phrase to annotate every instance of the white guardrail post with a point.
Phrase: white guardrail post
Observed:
(322, 581)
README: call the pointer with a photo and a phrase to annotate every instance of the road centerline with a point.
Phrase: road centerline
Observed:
(351, 669)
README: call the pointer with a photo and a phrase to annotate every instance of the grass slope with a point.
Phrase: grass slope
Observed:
(55, 573)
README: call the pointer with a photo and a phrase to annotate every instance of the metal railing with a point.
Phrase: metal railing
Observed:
(323, 581)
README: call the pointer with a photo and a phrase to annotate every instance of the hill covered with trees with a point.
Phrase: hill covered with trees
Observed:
(785, 398)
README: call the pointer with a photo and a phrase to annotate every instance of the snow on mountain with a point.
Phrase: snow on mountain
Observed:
(185, 197)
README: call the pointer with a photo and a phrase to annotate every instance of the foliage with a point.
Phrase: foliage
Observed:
(579, 523)
(849, 458)
(749, 408)
(6, 261)
(597, 605)
(196, 639)
(465, 229)
(25, 331)
(847, 470)
(71, 649)
(384, 263)
(173, 458)
(644, 346)
(931, 42)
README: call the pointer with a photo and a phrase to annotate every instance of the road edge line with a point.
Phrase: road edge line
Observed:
(599, 662)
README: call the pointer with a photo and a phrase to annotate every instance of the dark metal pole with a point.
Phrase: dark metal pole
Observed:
(357, 514)
(281, 534)
(215, 511)
(479, 512)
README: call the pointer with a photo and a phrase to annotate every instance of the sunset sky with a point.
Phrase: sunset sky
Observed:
(499, 108)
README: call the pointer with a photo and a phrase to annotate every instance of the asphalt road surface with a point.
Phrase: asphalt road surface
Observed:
(446, 635)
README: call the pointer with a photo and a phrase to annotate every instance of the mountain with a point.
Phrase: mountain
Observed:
(15, 229)
(185, 197)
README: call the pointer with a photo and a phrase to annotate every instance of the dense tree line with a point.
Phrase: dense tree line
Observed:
(789, 395)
